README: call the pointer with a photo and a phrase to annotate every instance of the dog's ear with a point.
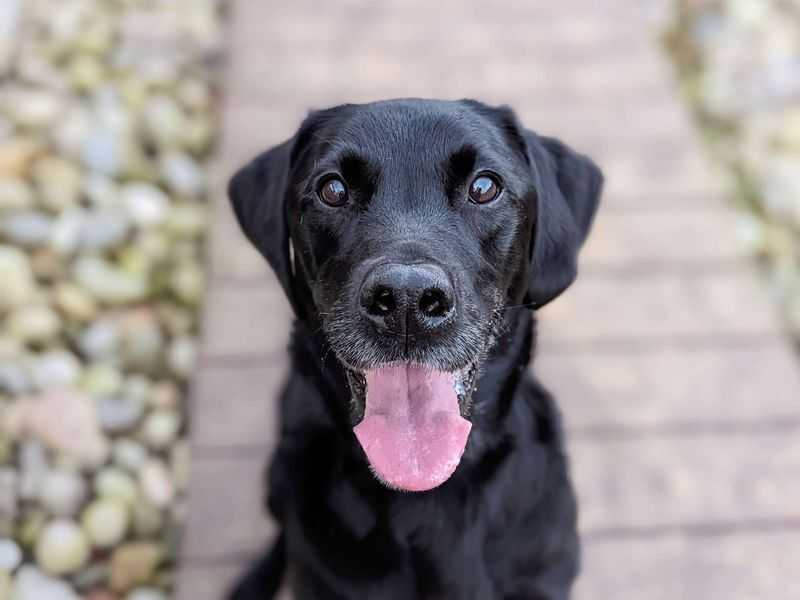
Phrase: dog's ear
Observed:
(568, 187)
(258, 193)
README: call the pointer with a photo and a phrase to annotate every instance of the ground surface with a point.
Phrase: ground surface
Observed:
(679, 390)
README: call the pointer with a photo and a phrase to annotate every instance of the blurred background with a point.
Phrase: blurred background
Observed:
(137, 326)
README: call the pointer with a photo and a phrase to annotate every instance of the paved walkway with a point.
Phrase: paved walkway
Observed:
(680, 393)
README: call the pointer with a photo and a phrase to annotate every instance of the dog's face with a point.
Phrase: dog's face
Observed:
(404, 229)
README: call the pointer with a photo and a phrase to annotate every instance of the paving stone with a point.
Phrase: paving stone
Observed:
(250, 126)
(237, 405)
(471, 24)
(246, 320)
(232, 256)
(226, 519)
(205, 581)
(681, 180)
(391, 35)
(661, 387)
(657, 481)
(685, 238)
(665, 356)
(736, 567)
(404, 57)
(658, 306)
(399, 76)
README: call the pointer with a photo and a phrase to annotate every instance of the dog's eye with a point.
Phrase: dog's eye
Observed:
(483, 189)
(333, 192)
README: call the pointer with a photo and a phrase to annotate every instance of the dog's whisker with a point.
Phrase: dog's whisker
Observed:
(526, 305)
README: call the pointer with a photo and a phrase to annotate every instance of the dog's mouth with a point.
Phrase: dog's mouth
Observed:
(412, 421)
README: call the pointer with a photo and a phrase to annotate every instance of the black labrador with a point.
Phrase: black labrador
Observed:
(418, 457)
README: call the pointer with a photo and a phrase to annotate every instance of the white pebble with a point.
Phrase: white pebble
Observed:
(103, 230)
(65, 236)
(33, 323)
(58, 182)
(155, 483)
(115, 483)
(16, 278)
(107, 282)
(100, 339)
(182, 174)
(10, 554)
(146, 594)
(33, 108)
(55, 368)
(182, 356)
(160, 428)
(15, 194)
(62, 492)
(62, 548)
(146, 204)
(31, 584)
(33, 467)
(106, 522)
(28, 228)
(129, 454)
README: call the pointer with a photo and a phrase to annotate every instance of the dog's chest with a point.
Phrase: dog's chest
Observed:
(438, 546)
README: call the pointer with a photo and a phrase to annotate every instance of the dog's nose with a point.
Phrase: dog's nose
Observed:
(413, 299)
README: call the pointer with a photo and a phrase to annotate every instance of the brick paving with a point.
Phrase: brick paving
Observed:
(679, 391)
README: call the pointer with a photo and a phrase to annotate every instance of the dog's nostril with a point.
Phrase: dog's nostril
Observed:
(434, 303)
(416, 298)
(383, 302)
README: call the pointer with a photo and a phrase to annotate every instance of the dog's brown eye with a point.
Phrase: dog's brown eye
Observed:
(333, 192)
(483, 189)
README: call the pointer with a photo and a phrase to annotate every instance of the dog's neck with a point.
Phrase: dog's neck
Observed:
(500, 372)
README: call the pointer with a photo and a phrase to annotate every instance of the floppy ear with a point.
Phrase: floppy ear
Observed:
(258, 194)
(568, 193)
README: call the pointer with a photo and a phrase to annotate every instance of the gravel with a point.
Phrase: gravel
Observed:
(739, 66)
(107, 118)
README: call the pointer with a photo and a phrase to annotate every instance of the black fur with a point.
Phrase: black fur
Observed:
(504, 525)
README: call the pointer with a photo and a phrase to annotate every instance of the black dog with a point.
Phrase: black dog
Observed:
(412, 237)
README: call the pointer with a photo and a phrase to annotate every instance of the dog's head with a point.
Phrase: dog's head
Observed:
(404, 229)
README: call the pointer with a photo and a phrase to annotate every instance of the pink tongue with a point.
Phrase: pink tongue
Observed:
(412, 431)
